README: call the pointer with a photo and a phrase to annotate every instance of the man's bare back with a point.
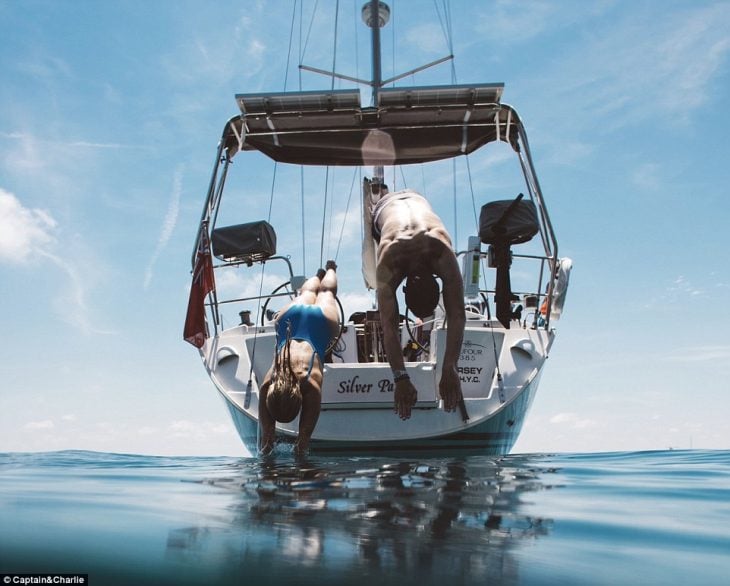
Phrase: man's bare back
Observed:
(411, 238)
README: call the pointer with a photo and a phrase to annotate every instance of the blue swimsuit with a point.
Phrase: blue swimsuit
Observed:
(308, 324)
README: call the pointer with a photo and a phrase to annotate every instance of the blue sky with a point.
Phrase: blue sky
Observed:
(110, 113)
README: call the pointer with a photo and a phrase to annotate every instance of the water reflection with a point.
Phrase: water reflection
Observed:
(459, 520)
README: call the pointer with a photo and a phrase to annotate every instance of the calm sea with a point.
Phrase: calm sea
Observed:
(618, 518)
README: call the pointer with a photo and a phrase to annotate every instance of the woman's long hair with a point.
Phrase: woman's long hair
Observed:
(284, 399)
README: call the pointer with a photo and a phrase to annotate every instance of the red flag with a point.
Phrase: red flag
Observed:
(203, 283)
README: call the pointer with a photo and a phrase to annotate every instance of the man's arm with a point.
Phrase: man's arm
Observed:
(405, 393)
(453, 293)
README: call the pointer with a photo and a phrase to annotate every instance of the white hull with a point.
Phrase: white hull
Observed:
(357, 406)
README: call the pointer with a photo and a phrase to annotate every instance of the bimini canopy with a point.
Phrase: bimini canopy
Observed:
(413, 125)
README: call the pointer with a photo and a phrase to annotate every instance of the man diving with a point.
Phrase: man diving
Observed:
(413, 244)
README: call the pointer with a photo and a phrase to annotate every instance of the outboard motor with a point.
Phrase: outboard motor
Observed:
(502, 224)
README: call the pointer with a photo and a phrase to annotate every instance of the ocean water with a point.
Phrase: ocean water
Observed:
(618, 518)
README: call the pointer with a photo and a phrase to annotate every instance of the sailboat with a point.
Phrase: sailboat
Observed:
(508, 333)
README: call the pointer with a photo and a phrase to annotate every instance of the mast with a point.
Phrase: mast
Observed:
(376, 14)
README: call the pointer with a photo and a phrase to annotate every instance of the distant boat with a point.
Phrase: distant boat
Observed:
(508, 334)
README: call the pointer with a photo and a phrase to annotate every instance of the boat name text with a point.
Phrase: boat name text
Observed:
(351, 385)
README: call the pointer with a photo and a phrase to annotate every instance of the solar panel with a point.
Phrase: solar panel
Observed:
(459, 95)
(309, 101)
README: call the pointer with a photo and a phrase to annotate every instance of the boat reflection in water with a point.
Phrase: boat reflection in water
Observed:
(357, 520)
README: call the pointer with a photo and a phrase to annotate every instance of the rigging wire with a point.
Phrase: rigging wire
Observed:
(357, 39)
(302, 51)
(324, 215)
(445, 22)
(453, 198)
(444, 15)
(291, 39)
(392, 27)
(334, 45)
(268, 219)
(258, 320)
(286, 80)
(331, 212)
(476, 220)
(327, 171)
(301, 203)
(347, 211)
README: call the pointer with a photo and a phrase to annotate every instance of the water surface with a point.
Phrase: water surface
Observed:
(622, 518)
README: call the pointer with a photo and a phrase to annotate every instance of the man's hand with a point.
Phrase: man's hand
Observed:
(450, 388)
(405, 398)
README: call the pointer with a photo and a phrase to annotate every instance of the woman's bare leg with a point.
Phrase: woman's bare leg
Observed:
(326, 297)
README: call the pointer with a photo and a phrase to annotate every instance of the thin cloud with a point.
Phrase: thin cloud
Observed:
(168, 225)
(39, 425)
(573, 420)
(509, 21)
(73, 307)
(45, 68)
(23, 231)
(102, 145)
(682, 286)
(428, 38)
(87, 144)
(710, 353)
(679, 292)
(27, 234)
(198, 430)
(647, 176)
(632, 71)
